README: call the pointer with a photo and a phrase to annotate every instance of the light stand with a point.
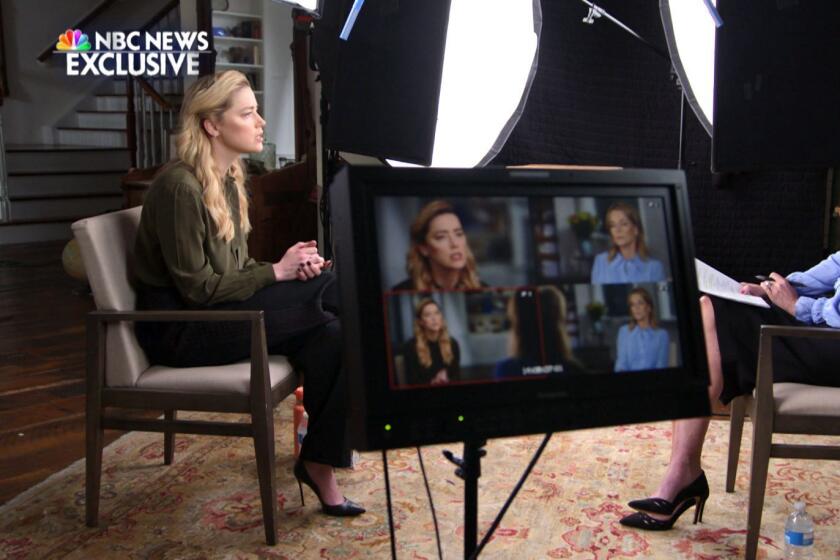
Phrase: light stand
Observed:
(596, 12)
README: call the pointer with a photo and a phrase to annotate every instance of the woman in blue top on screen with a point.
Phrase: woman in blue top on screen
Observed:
(628, 259)
(641, 344)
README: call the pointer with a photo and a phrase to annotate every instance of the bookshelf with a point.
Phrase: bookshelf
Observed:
(238, 40)
(253, 37)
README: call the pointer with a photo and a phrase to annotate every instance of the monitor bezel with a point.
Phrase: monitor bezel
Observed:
(385, 417)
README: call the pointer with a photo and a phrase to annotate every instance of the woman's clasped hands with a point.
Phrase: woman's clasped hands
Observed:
(777, 289)
(301, 262)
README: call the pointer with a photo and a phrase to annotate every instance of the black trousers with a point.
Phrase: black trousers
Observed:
(300, 322)
(795, 360)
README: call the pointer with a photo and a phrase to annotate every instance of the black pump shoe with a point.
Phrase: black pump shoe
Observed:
(696, 490)
(641, 520)
(347, 508)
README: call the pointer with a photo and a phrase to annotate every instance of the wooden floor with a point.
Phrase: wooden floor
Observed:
(42, 352)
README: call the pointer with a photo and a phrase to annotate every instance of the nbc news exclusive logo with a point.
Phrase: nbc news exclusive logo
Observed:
(119, 53)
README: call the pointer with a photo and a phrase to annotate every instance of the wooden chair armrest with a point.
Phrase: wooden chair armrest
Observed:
(260, 378)
(799, 332)
(764, 374)
(175, 315)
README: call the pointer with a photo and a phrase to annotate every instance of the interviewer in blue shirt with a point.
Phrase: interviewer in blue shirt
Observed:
(641, 343)
(731, 331)
(627, 260)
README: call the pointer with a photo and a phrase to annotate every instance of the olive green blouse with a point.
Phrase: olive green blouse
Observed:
(177, 244)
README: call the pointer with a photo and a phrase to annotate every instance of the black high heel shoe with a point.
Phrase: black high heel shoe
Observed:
(697, 489)
(641, 520)
(347, 508)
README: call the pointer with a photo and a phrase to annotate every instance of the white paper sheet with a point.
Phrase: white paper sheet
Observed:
(713, 282)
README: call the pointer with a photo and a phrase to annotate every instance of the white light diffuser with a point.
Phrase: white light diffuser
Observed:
(488, 66)
(690, 32)
(308, 5)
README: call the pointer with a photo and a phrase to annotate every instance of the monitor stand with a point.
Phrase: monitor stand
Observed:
(469, 469)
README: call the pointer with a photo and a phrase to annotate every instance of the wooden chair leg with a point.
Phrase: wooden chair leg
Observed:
(169, 438)
(93, 467)
(736, 430)
(263, 422)
(93, 418)
(762, 439)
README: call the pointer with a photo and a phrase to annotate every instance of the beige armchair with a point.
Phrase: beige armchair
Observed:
(120, 376)
(782, 408)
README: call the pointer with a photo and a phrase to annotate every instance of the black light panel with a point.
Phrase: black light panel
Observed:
(777, 85)
(383, 83)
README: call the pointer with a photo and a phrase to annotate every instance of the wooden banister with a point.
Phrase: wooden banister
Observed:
(101, 7)
(82, 22)
(153, 93)
(162, 13)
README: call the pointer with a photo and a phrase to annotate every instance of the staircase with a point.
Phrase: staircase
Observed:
(119, 127)
(52, 185)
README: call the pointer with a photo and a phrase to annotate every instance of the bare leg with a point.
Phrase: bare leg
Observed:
(324, 477)
(689, 434)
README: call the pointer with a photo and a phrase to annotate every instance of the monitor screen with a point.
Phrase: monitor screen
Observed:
(476, 290)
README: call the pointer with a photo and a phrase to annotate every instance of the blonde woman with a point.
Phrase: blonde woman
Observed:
(439, 257)
(627, 259)
(191, 252)
(432, 357)
(641, 343)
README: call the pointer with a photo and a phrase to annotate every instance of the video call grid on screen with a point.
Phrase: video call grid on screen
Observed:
(541, 287)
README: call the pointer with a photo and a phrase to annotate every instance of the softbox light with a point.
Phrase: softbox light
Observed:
(311, 6)
(690, 32)
(489, 65)
(429, 83)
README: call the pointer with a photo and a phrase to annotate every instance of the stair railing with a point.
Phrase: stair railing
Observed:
(4, 185)
(151, 117)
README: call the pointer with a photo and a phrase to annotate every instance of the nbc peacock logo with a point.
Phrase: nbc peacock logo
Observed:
(73, 40)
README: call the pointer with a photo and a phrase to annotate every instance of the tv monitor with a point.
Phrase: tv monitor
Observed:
(492, 302)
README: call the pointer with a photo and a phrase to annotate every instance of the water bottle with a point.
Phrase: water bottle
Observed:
(799, 534)
(301, 420)
(301, 430)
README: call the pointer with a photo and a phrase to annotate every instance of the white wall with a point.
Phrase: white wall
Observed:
(279, 104)
(40, 94)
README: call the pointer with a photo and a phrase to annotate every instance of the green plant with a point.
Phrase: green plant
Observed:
(583, 224)
(595, 310)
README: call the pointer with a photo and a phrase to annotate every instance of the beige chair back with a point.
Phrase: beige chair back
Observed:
(107, 246)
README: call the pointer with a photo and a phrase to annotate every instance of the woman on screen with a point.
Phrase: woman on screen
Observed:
(641, 343)
(731, 332)
(432, 357)
(191, 252)
(439, 257)
(525, 341)
(627, 260)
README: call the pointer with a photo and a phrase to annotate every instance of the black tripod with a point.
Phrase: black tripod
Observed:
(469, 469)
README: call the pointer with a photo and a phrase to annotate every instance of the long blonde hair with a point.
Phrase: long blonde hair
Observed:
(208, 98)
(418, 266)
(633, 217)
(422, 341)
(646, 297)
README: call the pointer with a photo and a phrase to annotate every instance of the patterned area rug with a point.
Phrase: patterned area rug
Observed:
(206, 505)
